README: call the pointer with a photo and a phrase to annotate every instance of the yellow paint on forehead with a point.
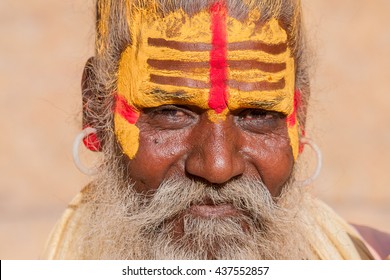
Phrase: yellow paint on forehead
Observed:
(134, 71)
(214, 117)
(133, 80)
(178, 26)
(238, 99)
(271, 32)
(256, 75)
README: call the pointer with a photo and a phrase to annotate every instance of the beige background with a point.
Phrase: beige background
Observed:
(43, 47)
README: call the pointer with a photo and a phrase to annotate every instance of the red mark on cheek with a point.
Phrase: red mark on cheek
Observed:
(125, 110)
(218, 57)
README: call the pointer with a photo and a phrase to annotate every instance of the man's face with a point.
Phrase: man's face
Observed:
(205, 116)
(209, 98)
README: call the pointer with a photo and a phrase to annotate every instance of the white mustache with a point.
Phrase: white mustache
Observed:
(174, 196)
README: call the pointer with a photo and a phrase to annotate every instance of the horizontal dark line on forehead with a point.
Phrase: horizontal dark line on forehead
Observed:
(242, 86)
(258, 46)
(180, 46)
(257, 86)
(188, 66)
(199, 47)
(178, 81)
(253, 64)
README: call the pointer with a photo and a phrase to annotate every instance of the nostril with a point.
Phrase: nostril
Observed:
(212, 185)
(215, 168)
(216, 157)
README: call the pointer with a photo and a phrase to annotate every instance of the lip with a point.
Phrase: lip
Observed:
(213, 211)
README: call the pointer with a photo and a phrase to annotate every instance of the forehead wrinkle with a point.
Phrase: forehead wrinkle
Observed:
(155, 39)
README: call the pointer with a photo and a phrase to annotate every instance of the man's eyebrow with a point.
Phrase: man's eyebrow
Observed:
(263, 104)
(166, 95)
(274, 49)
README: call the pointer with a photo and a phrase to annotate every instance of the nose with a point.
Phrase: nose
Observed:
(215, 155)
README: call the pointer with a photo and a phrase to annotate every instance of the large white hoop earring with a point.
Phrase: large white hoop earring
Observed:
(76, 146)
(316, 149)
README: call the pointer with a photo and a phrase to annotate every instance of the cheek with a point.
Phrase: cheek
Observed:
(160, 156)
(272, 158)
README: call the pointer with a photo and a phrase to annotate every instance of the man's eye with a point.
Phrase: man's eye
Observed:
(170, 117)
(258, 120)
(254, 114)
(170, 112)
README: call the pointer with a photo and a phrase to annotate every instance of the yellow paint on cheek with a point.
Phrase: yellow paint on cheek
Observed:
(128, 136)
(127, 133)
(294, 140)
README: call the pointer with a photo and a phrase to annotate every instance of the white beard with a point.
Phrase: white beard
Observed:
(123, 224)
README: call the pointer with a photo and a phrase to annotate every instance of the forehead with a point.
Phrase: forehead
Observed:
(178, 59)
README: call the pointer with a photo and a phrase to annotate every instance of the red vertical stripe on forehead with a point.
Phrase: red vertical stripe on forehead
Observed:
(125, 110)
(218, 57)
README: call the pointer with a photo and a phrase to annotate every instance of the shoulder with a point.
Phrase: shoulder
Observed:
(65, 231)
(378, 240)
(331, 236)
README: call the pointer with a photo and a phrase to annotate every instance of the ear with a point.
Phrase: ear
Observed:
(89, 99)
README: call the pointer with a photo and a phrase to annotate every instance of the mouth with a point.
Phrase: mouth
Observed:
(209, 210)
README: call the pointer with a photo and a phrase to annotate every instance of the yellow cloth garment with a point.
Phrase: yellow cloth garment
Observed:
(330, 237)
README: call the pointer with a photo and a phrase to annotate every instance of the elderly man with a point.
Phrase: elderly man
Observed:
(199, 110)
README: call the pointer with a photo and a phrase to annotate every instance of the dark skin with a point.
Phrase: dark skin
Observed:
(177, 140)
(182, 141)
